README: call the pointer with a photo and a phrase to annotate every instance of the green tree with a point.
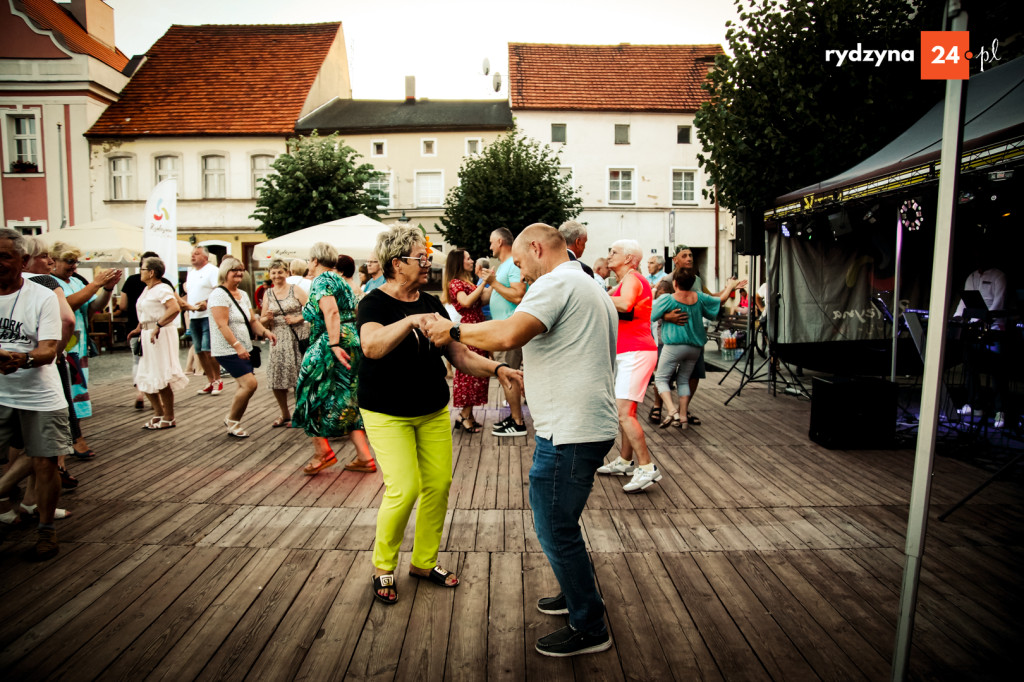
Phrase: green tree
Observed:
(514, 182)
(317, 181)
(780, 117)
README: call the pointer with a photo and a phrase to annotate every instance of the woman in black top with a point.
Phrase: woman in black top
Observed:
(403, 397)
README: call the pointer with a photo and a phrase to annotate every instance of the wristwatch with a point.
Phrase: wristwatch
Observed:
(30, 361)
(455, 332)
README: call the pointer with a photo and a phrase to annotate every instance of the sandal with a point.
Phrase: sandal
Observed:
(316, 466)
(690, 419)
(159, 423)
(384, 582)
(281, 421)
(152, 423)
(473, 427)
(438, 576)
(655, 416)
(235, 428)
(356, 465)
(670, 421)
(88, 454)
(677, 422)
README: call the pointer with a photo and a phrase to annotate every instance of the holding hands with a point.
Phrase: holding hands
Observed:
(436, 329)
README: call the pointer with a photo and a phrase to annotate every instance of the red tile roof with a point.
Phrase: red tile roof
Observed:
(221, 80)
(50, 16)
(609, 77)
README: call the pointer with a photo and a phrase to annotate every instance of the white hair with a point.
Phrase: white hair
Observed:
(630, 248)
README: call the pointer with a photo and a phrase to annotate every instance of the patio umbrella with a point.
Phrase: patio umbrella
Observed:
(354, 236)
(108, 243)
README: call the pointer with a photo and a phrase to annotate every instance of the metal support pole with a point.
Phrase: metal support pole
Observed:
(920, 491)
(896, 295)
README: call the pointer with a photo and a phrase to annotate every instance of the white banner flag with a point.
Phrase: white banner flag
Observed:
(160, 226)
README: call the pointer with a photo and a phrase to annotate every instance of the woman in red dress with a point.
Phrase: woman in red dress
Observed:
(469, 300)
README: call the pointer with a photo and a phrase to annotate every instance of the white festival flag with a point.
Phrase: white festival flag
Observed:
(160, 226)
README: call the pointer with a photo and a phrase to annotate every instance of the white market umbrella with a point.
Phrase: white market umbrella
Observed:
(108, 243)
(355, 236)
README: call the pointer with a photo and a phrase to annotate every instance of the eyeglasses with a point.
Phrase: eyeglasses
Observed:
(424, 261)
(237, 270)
(71, 262)
(145, 269)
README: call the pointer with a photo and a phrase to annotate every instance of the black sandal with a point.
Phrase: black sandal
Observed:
(655, 416)
(690, 419)
(438, 576)
(473, 427)
(385, 582)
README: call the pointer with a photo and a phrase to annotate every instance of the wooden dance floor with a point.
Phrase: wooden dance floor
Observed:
(759, 556)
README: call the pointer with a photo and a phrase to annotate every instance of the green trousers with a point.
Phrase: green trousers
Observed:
(415, 459)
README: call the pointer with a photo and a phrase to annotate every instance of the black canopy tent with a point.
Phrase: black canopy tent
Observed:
(832, 245)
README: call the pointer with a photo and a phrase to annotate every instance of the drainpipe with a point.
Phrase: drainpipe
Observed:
(718, 256)
(60, 176)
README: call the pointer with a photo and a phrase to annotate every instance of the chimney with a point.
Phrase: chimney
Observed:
(96, 17)
(410, 89)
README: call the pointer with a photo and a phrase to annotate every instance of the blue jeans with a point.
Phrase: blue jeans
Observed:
(560, 481)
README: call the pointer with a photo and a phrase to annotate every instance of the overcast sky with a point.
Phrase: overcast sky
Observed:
(441, 42)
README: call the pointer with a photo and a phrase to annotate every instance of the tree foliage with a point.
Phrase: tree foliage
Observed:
(780, 117)
(317, 181)
(514, 182)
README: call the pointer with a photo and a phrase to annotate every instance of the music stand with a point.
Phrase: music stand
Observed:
(974, 305)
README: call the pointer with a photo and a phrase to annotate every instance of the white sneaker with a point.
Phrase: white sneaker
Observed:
(965, 411)
(999, 421)
(617, 467)
(642, 480)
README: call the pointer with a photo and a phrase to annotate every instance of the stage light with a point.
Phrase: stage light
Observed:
(871, 216)
(785, 229)
(911, 215)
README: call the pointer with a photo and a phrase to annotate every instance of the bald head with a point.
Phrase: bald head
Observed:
(538, 250)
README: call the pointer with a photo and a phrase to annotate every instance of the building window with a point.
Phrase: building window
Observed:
(428, 147)
(473, 146)
(215, 179)
(684, 186)
(28, 229)
(121, 178)
(682, 134)
(168, 167)
(381, 186)
(621, 133)
(558, 132)
(565, 172)
(21, 140)
(620, 185)
(429, 188)
(378, 148)
(260, 168)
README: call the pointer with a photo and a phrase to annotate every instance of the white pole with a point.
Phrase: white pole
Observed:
(896, 295)
(917, 522)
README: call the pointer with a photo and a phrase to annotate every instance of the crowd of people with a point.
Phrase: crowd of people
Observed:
(347, 348)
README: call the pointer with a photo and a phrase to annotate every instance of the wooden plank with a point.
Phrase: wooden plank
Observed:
(299, 628)
(539, 581)
(425, 648)
(724, 529)
(490, 531)
(467, 639)
(462, 535)
(329, 533)
(506, 647)
(692, 530)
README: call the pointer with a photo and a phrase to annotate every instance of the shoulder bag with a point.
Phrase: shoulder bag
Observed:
(254, 354)
(303, 343)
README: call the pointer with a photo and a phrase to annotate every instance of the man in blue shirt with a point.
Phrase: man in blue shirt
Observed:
(376, 276)
(507, 290)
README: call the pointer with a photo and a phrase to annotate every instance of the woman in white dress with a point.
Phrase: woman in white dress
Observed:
(159, 368)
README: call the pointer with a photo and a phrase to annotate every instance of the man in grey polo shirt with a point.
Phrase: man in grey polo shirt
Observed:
(565, 322)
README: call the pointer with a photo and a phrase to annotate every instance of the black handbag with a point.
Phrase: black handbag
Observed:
(254, 355)
(303, 343)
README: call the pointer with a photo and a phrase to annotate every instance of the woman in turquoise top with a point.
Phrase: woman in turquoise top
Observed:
(325, 393)
(683, 342)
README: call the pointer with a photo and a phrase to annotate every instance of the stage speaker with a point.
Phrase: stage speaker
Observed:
(853, 413)
(749, 232)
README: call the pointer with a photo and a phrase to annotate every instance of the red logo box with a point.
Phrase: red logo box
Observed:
(945, 55)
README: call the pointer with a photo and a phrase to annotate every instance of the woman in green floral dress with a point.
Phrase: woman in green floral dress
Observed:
(325, 394)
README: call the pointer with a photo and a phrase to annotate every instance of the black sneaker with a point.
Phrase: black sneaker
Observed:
(553, 606)
(502, 423)
(68, 483)
(508, 429)
(568, 642)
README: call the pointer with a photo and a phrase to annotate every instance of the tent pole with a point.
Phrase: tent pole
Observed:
(917, 522)
(896, 295)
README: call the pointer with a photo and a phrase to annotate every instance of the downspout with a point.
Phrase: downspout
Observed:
(718, 256)
(60, 177)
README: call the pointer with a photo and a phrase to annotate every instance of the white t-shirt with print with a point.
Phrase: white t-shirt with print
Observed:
(28, 316)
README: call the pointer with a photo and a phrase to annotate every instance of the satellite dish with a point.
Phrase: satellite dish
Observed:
(497, 81)
(487, 66)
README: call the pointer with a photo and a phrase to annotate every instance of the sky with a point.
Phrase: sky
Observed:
(441, 42)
